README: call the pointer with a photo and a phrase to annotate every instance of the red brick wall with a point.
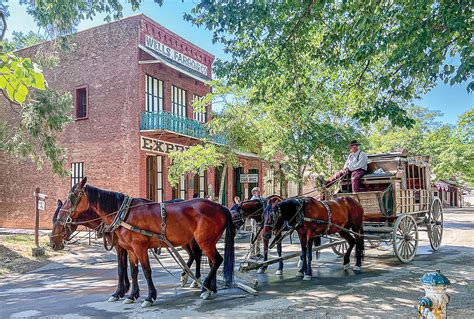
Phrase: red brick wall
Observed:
(105, 58)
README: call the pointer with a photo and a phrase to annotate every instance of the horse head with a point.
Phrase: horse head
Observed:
(67, 214)
(280, 211)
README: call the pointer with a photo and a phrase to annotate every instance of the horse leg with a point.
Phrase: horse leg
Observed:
(302, 270)
(145, 262)
(184, 276)
(309, 257)
(317, 243)
(197, 252)
(359, 249)
(280, 264)
(135, 293)
(123, 282)
(215, 260)
(351, 242)
(265, 255)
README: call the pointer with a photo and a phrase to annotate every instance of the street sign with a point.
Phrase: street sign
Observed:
(248, 178)
(42, 196)
(41, 204)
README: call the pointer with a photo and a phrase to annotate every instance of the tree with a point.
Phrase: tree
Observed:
(451, 147)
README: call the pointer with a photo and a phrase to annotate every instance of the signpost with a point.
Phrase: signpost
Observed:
(40, 204)
(248, 178)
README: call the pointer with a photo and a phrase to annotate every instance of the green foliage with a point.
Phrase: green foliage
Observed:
(21, 40)
(451, 147)
(199, 158)
(17, 76)
(63, 16)
(40, 121)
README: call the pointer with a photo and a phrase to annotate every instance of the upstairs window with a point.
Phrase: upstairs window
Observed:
(154, 94)
(199, 116)
(77, 173)
(82, 101)
(178, 101)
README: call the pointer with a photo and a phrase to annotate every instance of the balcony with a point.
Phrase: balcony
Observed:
(151, 121)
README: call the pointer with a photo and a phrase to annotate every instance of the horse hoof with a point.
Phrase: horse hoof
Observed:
(206, 295)
(347, 266)
(279, 272)
(194, 284)
(147, 304)
(307, 277)
(260, 271)
(184, 280)
(128, 300)
(113, 299)
(299, 264)
(357, 268)
(299, 274)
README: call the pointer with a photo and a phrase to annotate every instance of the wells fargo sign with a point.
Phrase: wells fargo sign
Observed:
(174, 55)
(159, 147)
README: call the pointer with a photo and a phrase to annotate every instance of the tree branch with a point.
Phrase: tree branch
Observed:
(4, 30)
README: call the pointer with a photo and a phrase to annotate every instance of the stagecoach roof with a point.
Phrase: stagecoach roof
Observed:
(400, 156)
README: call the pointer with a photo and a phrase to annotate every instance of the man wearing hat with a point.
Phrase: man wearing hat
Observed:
(355, 167)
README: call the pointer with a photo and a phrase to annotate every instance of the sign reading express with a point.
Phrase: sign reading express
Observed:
(159, 147)
(174, 55)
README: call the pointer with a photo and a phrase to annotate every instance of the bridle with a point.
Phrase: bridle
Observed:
(74, 199)
(239, 219)
(276, 214)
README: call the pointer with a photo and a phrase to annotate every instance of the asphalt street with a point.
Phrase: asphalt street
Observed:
(77, 285)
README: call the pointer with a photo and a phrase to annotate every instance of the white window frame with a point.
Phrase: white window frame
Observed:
(77, 172)
(153, 94)
(198, 116)
(178, 101)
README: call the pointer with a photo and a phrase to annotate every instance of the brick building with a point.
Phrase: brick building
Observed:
(133, 82)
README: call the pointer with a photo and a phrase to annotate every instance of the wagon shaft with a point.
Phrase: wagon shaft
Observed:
(251, 265)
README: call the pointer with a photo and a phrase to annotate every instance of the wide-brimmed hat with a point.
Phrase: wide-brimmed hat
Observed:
(354, 142)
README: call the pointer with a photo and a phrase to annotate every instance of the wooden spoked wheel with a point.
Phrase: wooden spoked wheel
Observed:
(340, 249)
(435, 224)
(405, 238)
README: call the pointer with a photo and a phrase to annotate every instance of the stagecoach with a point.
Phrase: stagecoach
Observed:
(398, 203)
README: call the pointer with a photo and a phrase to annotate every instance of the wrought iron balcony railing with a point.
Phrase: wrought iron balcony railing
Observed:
(170, 122)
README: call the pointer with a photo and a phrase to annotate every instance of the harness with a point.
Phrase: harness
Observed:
(322, 221)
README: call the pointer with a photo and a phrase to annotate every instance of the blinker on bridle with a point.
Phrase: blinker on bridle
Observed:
(74, 199)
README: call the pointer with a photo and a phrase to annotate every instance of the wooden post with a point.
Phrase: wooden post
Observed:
(37, 191)
(37, 251)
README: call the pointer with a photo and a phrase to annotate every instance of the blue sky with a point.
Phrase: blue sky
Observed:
(452, 101)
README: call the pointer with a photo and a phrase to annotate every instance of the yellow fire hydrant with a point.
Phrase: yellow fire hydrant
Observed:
(435, 302)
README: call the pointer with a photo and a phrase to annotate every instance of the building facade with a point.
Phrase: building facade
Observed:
(133, 83)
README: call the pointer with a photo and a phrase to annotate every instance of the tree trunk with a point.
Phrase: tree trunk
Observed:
(222, 184)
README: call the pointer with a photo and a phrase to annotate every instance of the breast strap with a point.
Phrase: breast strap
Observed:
(328, 222)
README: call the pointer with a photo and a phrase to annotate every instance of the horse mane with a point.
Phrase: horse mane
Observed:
(107, 201)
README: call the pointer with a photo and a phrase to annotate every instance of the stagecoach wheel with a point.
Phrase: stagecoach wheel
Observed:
(405, 238)
(340, 249)
(435, 226)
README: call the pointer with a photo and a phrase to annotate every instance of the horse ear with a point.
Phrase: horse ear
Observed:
(83, 182)
(59, 203)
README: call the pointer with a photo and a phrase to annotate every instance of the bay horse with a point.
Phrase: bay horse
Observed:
(60, 235)
(313, 219)
(254, 209)
(144, 228)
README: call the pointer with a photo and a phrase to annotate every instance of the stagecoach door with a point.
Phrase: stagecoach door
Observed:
(154, 178)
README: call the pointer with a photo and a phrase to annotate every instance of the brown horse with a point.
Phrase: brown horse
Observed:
(61, 234)
(313, 218)
(143, 228)
(254, 209)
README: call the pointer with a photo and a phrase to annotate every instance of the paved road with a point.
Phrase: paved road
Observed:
(77, 284)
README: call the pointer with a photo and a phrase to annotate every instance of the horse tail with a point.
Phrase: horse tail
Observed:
(229, 251)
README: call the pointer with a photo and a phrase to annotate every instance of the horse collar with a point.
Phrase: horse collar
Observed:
(121, 215)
